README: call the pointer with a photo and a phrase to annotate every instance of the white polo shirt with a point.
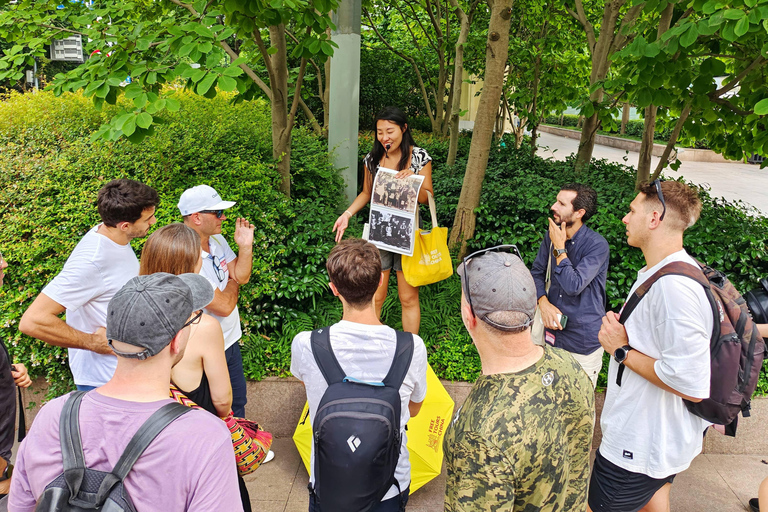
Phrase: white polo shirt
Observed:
(216, 271)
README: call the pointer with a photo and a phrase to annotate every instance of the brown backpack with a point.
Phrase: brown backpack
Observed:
(736, 348)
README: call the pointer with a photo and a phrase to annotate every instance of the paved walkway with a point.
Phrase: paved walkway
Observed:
(733, 181)
(716, 483)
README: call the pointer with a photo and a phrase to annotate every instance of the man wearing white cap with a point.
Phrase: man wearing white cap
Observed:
(203, 211)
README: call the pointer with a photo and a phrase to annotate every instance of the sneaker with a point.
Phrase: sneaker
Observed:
(269, 457)
(753, 505)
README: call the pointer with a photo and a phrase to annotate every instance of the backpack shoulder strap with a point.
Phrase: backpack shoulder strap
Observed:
(69, 432)
(676, 268)
(324, 357)
(72, 455)
(145, 435)
(402, 360)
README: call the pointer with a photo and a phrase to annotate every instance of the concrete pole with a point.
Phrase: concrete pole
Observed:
(345, 93)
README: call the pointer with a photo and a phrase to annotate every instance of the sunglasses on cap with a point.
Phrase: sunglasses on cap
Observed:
(218, 213)
(467, 259)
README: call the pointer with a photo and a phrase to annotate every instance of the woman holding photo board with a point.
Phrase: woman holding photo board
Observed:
(393, 148)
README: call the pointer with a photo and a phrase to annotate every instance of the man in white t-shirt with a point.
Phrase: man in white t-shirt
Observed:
(203, 211)
(364, 348)
(101, 263)
(660, 357)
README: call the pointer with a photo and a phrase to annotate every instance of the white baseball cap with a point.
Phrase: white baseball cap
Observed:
(200, 198)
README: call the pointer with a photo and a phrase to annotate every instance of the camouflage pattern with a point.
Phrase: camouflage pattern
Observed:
(521, 441)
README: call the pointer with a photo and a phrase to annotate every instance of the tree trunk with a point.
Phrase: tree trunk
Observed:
(646, 146)
(624, 118)
(497, 47)
(281, 131)
(458, 75)
(534, 136)
(587, 143)
(649, 122)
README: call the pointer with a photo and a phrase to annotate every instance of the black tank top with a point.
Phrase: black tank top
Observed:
(202, 395)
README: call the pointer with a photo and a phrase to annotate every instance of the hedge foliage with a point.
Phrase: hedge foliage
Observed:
(50, 173)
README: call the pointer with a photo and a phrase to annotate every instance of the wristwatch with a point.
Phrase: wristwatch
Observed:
(559, 252)
(620, 355)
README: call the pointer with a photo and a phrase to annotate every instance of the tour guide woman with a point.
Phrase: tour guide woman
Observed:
(394, 149)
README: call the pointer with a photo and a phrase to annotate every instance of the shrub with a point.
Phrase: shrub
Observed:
(50, 174)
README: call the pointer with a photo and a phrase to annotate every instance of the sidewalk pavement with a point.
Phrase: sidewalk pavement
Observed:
(733, 181)
(716, 483)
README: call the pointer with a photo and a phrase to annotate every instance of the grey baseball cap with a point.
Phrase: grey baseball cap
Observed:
(498, 281)
(150, 310)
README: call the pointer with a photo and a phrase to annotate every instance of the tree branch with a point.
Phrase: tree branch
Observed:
(248, 71)
(730, 106)
(664, 161)
(265, 55)
(759, 61)
(62, 29)
(621, 36)
(188, 7)
(297, 93)
(581, 17)
(312, 119)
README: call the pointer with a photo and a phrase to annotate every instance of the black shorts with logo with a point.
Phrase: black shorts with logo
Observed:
(615, 489)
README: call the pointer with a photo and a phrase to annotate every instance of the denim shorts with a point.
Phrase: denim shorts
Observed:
(390, 260)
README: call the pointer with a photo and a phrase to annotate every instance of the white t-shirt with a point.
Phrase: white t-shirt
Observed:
(364, 352)
(216, 271)
(95, 271)
(646, 429)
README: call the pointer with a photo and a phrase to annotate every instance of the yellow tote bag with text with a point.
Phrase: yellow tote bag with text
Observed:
(431, 261)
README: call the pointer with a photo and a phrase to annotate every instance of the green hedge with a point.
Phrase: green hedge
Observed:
(50, 173)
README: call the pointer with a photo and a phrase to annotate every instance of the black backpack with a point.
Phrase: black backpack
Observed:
(356, 431)
(736, 348)
(79, 488)
(757, 302)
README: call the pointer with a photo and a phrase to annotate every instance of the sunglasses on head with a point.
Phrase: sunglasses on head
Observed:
(468, 259)
(218, 213)
(657, 184)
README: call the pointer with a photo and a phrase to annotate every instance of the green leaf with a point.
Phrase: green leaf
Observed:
(92, 87)
(761, 107)
(206, 83)
(644, 97)
(121, 120)
(144, 120)
(205, 47)
(733, 14)
(129, 126)
(138, 71)
(272, 50)
(140, 101)
(689, 37)
(133, 91)
(198, 74)
(172, 105)
(186, 49)
(143, 44)
(151, 77)
(204, 31)
(652, 50)
(232, 71)
(227, 84)
(102, 91)
(742, 27)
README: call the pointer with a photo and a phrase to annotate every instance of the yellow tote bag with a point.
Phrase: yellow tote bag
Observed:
(431, 261)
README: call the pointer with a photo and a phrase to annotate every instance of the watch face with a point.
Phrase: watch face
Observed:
(620, 355)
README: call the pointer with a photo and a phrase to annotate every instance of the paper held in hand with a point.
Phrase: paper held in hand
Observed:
(394, 207)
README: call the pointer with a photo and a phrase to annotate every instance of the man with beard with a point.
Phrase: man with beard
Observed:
(101, 263)
(578, 257)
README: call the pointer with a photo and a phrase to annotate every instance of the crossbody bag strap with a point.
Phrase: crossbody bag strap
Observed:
(326, 361)
(548, 279)
(401, 363)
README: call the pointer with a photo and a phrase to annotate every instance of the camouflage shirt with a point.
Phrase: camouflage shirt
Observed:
(521, 441)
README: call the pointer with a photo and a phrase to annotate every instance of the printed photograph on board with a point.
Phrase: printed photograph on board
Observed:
(391, 232)
(399, 194)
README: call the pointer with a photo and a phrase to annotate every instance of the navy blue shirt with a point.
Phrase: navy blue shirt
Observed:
(577, 288)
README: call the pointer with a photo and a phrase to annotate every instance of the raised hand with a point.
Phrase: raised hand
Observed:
(244, 233)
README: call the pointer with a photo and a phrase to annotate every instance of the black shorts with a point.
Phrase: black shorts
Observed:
(615, 489)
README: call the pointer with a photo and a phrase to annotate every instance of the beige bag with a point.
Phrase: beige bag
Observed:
(537, 328)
